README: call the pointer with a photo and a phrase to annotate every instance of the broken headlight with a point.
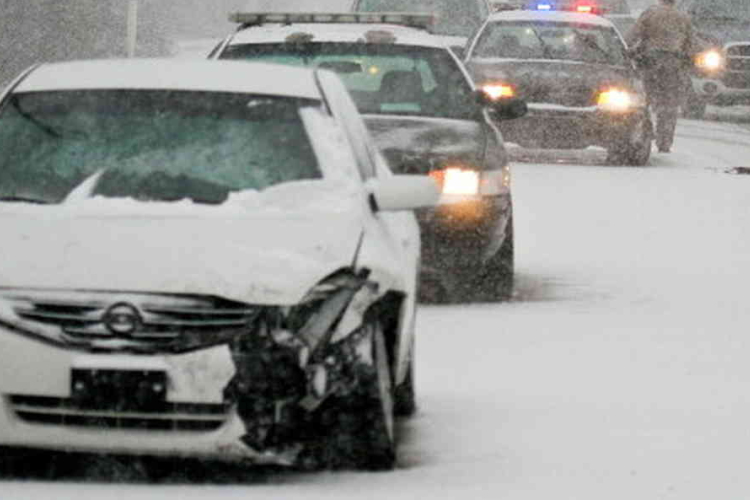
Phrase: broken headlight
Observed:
(317, 314)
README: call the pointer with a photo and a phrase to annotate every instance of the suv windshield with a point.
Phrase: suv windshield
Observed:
(455, 17)
(150, 145)
(381, 77)
(615, 7)
(549, 40)
(719, 9)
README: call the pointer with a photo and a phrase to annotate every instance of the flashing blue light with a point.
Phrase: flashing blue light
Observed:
(543, 6)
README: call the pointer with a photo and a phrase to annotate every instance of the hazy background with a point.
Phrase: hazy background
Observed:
(34, 31)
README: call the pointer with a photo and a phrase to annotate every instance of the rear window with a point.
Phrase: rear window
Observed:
(151, 145)
(550, 40)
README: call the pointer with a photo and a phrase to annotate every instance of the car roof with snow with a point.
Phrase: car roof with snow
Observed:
(342, 32)
(551, 16)
(173, 74)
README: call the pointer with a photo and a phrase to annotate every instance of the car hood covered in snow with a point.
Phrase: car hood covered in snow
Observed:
(415, 145)
(566, 83)
(265, 248)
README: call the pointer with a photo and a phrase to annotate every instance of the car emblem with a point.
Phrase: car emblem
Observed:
(122, 319)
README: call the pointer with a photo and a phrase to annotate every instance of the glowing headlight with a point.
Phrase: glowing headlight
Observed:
(454, 180)
(711, 60)
(498, 90)
(616, 100)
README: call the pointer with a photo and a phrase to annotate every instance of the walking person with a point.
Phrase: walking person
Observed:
(663, 38)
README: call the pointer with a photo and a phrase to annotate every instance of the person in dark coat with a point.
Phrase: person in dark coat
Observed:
(664, 41)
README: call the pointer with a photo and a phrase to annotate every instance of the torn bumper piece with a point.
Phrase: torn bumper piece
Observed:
(296, 359)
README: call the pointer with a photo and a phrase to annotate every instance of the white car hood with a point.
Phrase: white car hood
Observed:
(266, 248)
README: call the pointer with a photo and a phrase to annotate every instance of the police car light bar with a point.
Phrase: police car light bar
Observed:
(582, 7)
(410, 19)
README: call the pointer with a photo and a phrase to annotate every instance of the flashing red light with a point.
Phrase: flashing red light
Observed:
(585, 9)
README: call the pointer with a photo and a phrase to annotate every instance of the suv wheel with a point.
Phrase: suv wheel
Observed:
(635, 149)
(496, 282)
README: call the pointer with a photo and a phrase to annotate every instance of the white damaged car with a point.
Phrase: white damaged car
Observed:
(203, 259)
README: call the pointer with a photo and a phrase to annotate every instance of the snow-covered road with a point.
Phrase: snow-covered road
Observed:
(621, 370)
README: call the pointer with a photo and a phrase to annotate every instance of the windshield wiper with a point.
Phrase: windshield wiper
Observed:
(545, 48)
(590, 42)
(24, 199)
(48, 129)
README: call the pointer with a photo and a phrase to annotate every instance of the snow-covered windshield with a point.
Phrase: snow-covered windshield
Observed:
(551, 40)
(150, 145)
(454, 17)
(382, 78)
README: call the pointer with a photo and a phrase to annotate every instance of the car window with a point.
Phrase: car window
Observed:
(551, 40)
(455, 17)
(151, 145)
(382, 78)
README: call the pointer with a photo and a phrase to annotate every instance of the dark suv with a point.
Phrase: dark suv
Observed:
(722, 74)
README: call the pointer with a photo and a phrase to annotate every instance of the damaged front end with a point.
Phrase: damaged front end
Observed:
(297, 358)
(278, 371)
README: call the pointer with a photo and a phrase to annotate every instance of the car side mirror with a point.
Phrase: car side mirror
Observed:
(502, 108)
(509, 108)
(403, 192)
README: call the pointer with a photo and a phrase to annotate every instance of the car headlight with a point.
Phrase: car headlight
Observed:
(465, 181)
(317, 314)
(617, 100)
(710, 60)
(457, 180)
(497, 91)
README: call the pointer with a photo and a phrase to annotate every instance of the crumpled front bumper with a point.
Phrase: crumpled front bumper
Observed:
(253, 398)
(551, 126)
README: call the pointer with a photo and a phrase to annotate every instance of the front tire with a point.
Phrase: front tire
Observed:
(360, 426)
(635, 149)
(496, 282)
(405, 397)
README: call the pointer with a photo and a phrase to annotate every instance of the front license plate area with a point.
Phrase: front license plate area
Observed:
(118, 390)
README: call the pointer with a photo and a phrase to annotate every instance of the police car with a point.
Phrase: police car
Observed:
(426, 117)
(572, 69)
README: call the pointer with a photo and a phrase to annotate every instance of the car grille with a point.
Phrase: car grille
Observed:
(741, 50)
(168, 417)
(569, 96)
(738, 67)
(87, 318)
(735, 80)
